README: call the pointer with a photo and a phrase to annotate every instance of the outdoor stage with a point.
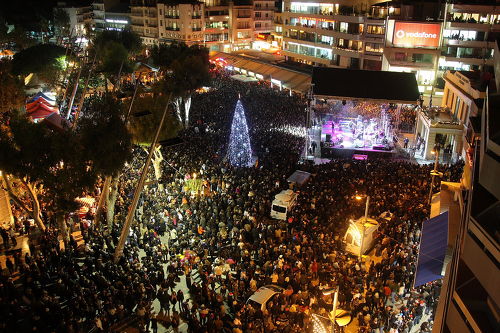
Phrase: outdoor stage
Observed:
(357, 137)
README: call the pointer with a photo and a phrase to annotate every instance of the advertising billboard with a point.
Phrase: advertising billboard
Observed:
(409, 34)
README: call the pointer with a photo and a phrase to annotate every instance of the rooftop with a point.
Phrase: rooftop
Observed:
(381, 86)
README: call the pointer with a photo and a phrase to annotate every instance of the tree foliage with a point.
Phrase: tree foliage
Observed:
(185, 69)
(145, 119)
(12, 95)
(40, 59)
(102, 127)
(61, 22)
(115, 50)
(66, 162)
(130, 40)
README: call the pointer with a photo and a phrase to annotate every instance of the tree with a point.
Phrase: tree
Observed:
(114, 52)
(57, 167)
(129, 39)
(239, 152)
(144, 121)
(12, 95)
(113, 59)
(61, 22)
(185, 69)
(45, 60)
(103, 127)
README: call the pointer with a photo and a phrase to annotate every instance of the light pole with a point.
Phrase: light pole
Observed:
(434, 172)
(359, 197)
(334, 305)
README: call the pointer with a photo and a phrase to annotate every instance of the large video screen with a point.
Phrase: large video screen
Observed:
(408, 34)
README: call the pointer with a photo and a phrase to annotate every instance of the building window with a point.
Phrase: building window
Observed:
(375, 30)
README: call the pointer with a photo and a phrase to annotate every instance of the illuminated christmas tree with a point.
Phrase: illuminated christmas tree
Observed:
(240, 151)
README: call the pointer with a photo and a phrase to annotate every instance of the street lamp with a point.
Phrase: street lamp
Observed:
(435, 171)
(327, 292)
(359, 197)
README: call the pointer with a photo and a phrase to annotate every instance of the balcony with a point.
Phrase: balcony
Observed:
(172, 28)
(196, 17)
(244, 16)
(308, 57)
(304, 39)
(468, 43)
(410, 62)
(461, 25)
(175, 17)
(330, 31)
(196, 29)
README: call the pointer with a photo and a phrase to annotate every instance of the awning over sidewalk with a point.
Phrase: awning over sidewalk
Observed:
(354, 84)
(432, 252)
(287, 78)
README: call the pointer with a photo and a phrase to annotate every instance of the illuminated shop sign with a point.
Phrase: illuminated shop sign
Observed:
(416, 34)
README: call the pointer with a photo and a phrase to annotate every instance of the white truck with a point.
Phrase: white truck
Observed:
(283, 202)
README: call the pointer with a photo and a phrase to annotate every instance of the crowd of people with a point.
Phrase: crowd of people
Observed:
(220, 243)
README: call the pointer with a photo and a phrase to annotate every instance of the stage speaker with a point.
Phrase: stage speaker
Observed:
(328, 138)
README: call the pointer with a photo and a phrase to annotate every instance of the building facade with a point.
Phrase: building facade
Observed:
(217, 24)
(216, 33)
(470, 298)
(263, 12)
(331, 34)
(110, 15)
(241, 25)
(80, 17)
(181, 21)
(469, 34)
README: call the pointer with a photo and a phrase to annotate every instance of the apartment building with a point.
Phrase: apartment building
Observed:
(217, 25)
(110, 15)
(470, 296)
(182, 21)
(469, 34)
(144, 20)
(241, 24)
(263, 17)
(331, 34)
(80, 16)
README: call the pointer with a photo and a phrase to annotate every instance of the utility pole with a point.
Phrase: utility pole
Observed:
(434, 172)
(364, 228)
(72, 99)
(84, 92)
(139, 187)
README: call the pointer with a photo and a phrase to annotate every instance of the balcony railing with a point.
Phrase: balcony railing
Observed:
(172, 28)
(196, 29)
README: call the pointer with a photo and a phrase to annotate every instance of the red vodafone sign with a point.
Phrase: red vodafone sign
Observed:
(408, 34)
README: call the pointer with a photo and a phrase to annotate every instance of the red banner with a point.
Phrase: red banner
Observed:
(408, 34)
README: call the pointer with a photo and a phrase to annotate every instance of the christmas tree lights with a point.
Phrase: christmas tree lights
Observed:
(239, 152)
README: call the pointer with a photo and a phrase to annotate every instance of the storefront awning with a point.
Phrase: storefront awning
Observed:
(432, 252)
(289, 79)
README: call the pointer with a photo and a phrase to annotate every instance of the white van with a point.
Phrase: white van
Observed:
(283, 202)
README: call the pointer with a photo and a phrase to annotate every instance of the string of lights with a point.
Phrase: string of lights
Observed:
(318, 326)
